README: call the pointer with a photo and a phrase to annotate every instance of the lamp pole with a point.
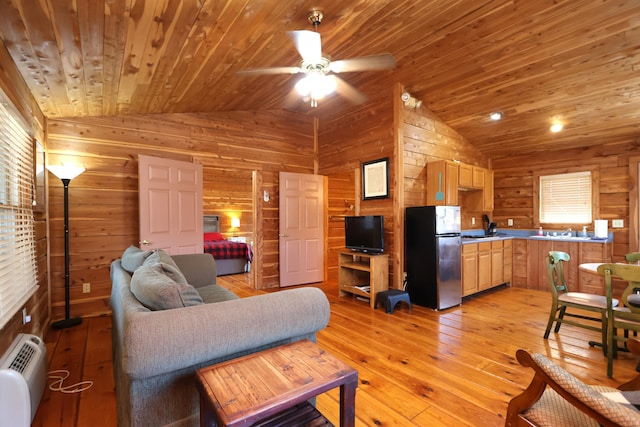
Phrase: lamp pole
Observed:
(67, 322)
(66, 174)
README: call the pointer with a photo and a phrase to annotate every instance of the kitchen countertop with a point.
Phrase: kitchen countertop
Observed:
(518, 234)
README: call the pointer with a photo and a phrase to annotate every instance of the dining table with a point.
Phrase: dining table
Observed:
(592, 267)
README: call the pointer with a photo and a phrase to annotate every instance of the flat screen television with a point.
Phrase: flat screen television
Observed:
(364, 233)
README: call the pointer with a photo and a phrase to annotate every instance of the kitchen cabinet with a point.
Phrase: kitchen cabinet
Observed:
(442, 183)
(445, 178)
(519, 260)
(507, 260)
(484, 265)
(362, 274)
(588, 282)
(470, 177)
(497, 263)
(530, 268)
(469, 269)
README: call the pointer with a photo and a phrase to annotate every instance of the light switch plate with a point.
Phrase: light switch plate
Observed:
(510, 222)
(617, 223)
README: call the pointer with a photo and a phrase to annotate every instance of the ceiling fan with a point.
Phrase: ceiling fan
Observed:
(319, 72)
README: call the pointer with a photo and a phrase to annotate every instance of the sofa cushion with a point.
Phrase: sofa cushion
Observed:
(156, 290)
(215, 293)
(168, 265)
(133, 257)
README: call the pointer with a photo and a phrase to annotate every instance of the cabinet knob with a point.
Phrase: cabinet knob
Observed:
(144, 242)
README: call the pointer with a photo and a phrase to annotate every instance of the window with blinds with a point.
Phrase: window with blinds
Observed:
(566, 198)
(17, 239)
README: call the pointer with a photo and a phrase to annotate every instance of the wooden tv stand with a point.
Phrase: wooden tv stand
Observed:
(356, 270)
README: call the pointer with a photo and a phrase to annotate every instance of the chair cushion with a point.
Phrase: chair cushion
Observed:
(133, 257)
(553, 410)
(156, 290)
(597, 301)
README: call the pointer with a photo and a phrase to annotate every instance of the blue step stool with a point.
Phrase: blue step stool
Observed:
(391, 298)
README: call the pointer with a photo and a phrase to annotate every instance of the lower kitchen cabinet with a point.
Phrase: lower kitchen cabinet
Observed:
(485, 265)
(530, 267)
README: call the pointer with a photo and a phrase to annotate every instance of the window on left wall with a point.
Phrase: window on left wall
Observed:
(17, 236)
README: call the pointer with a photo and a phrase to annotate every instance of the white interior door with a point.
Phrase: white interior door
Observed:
(301, 228)
(170, 198)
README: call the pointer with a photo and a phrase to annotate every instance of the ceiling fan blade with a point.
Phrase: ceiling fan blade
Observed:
(308, 44)
(345, 89)
(268, 70)
(364, 63)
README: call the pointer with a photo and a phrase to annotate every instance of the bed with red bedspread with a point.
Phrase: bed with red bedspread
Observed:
(231, 257)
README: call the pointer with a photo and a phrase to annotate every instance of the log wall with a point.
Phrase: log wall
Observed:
(103, 201)
(364, 133)
(514, 186)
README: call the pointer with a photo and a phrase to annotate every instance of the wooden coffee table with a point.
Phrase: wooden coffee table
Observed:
(275, 383)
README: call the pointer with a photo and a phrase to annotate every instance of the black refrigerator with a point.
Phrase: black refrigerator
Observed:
(432, 254)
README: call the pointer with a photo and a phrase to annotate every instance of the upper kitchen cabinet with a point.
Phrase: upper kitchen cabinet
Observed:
(471, 177)
(442, 183)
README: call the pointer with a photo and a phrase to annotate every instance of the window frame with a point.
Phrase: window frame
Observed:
(595, 194)
(15, 293)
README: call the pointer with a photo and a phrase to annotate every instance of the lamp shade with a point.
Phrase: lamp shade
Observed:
(235, 222)
(65, 171)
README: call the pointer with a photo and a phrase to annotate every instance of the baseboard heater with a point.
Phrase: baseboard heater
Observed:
(23, 377)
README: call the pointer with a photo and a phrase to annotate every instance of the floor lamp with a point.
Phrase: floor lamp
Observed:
(66, 174)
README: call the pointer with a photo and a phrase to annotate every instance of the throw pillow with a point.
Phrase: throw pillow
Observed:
(157, 291)
(133, 257)
(213, 236)
(168, 265)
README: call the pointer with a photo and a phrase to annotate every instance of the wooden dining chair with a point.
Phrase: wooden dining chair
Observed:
(632, 257)
(627, 315)
(562, 300)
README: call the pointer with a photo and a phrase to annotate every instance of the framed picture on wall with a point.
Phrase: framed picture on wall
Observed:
(375, 179)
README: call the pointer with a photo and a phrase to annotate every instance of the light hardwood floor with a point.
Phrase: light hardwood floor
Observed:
(424, 368)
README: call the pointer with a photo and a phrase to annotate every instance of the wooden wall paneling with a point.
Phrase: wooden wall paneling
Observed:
(634, 210)
(398, 183)
(104, 199)
(364, 133)
(341, 199)
(514, 196)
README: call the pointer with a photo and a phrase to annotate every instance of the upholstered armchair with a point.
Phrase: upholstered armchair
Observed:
(556, 398)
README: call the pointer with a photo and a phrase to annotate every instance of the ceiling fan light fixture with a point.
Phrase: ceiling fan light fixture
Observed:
(316, 86)
(556, 127)
(496, 115)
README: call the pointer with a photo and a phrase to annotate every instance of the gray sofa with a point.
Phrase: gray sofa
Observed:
(155, 353)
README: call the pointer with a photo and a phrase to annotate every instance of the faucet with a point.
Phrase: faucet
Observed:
(567, 232)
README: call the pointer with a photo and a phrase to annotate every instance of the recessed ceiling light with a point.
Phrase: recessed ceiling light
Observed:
(556, 127)
(496, 115)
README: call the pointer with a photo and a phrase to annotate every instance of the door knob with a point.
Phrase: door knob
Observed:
(144, 242)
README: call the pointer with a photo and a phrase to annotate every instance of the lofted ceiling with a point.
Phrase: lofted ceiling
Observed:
(577, 61)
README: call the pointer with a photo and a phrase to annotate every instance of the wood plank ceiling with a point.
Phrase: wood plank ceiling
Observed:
(577, 61)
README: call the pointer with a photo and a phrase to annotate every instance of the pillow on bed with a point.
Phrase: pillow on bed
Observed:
(133, 257)
(157, 291)
(213, 236)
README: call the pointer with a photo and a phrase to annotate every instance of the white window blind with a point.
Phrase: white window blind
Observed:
(17, 240)
(566, 198)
